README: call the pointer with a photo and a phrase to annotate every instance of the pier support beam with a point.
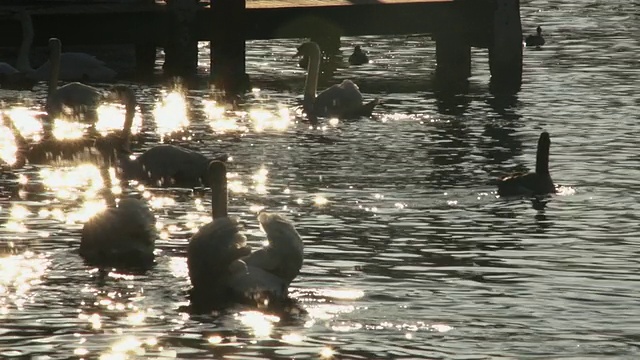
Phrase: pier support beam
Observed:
(505, 51)
(228, 68)
(181, 49)
(453, 59)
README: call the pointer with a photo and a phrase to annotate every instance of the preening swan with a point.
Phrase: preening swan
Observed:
(74, 66)
(535, 40)
(358, 57)
(220, 265)
(77, 96)
(341, 100)
(533, 183)
(123, 235)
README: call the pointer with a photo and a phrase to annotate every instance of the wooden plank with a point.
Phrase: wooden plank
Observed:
(270, 4)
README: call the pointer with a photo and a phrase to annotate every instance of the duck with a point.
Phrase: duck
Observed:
(123, 235)
(535, 40)
(222, 267)
(358, 57)
(73, 66)
(531, 183)
(342, 100)
(81, 98)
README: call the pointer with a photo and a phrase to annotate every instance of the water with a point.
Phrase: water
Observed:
(408, 251)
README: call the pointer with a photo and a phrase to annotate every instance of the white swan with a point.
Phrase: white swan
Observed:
(74, 66)
(83, 99)
(341, 100)
(219, 260)
(123, 235)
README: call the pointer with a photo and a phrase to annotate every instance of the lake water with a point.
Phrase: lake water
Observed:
(409, 252)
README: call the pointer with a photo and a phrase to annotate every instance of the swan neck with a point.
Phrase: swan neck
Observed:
(218, 179)
(106, 180)
(542, 157)
(130, 104)
(54, 57)
(313, 71)
(23, 64)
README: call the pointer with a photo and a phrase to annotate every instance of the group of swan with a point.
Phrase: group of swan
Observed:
(72, 66)
(221, 264)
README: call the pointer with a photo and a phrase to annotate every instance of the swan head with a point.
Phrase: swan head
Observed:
(357, 49)
(55, 46)
(308, 48)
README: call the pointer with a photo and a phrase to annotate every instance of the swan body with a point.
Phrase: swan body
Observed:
(6, 69)
(341, 100)
(358, 57)
(533, 183)
(167, 166)
(535, 40)
(122, 235)
(221, 265)
(74, 66)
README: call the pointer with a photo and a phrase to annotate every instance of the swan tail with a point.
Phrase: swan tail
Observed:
(365, 110)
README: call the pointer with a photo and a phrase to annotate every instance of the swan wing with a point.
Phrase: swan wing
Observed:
(254, 283)
(77, 95)
(283, 256)
(75, 67)
(338, 99)
(6, 69)
(212, 250)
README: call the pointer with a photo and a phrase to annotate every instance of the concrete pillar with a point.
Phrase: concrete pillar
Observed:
(505, 51)
(453, 53)
(228, 67)
(181, 49)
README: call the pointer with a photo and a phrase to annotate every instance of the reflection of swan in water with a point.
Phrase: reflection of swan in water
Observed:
(47, 150)
(80, 97)
(535, 40)
(220, 262)
(74, 66)
(533, 183)
(341, 100)
(121, 235)
(358, 57)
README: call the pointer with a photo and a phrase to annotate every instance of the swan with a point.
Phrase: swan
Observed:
(341, 100)
(123, 234)
(47, 150)
(358, 57)
(13, 79)
(74, 66)
(535, 40)
(532, 183)
(80, 97)
(220, 263)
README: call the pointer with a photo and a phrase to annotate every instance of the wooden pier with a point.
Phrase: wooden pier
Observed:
(456, 26)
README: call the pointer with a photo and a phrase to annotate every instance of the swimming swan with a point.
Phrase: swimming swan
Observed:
(74, 66)
(532, 183)
(358, 57)
(535, 40)
(123, 234)
(80, 97)
(220, 262)
(341, 100)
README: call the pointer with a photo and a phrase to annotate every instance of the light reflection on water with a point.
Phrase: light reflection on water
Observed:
(409, 253)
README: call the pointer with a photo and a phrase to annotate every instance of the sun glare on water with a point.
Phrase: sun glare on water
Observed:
(170, 113)
(111, 117)
(26, 122)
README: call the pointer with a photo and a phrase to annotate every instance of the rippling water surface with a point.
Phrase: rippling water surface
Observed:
(409, 253)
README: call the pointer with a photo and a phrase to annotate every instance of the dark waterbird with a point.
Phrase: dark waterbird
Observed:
(535, 40)
(359, 57)
(532, 183)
